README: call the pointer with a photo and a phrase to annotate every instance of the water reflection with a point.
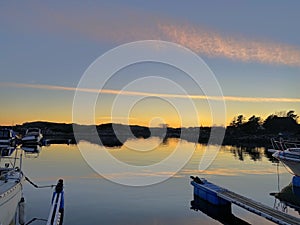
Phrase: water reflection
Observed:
(288, 196)
(239, 152)
(143, 152)
(223, 214)
(31, 151)
(246, 171)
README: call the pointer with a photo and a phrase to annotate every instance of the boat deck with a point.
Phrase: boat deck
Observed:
(8, 186)
(10, 196)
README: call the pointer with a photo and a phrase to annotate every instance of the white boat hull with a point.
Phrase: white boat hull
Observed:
(32, 139)
(9, 201)
(291, 159)
(292, 166)
(31, 148)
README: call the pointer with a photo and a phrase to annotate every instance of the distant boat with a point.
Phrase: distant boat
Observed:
(7, 137)
(32, 135)
(11, 179)
(288, 153)
(32, 150)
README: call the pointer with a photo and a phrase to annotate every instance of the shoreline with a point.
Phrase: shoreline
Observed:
(116, 134)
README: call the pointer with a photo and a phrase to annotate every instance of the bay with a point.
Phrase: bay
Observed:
(92, 198)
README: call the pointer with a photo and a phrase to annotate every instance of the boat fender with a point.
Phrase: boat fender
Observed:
(22, 211)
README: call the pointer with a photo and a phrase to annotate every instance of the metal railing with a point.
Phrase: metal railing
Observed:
(282, 144)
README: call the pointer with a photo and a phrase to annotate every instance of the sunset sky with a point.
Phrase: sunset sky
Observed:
(252, 47)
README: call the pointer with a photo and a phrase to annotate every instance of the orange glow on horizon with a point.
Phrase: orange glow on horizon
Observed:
(63, 112)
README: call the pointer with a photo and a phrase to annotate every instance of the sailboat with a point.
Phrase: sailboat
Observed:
(11, 195)
(11, 179)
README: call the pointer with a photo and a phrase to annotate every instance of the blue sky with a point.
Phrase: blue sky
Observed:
(53, 43)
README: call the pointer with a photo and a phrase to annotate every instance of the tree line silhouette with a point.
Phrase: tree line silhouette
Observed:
(284, 121)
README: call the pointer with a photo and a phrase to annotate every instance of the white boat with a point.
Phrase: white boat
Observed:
(7, 137)
(11, 179)
(32, 135)
(32, 150)
(288, 153)
(11, 191)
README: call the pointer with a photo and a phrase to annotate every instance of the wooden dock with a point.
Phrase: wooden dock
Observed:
(220, 196)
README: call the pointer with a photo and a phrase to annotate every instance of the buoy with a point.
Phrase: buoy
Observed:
(22, 211)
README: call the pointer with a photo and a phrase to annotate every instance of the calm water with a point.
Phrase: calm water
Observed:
(91, 199)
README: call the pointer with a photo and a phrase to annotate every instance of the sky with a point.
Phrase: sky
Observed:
(251, 47)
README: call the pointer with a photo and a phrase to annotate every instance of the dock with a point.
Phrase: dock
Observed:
(217, 195)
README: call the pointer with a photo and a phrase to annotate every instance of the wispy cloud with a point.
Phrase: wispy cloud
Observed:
(120, 24)
(150, 94)
(214, 44)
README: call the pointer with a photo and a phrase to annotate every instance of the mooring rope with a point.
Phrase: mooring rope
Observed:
(37, 186)
(34, 219)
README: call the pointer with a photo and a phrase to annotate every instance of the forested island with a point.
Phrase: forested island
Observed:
(253, 131)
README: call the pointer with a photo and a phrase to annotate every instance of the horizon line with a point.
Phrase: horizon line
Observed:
(71, 123)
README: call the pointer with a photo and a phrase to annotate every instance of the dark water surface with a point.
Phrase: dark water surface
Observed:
(92, 199)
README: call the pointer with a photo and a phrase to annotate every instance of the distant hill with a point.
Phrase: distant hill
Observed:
(250, 133)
